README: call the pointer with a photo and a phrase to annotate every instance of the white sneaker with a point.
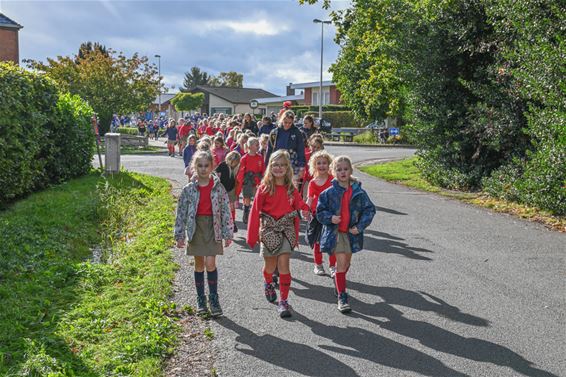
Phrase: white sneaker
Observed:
(319, 270)
(332, 271)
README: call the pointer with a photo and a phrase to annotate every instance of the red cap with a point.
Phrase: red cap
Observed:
(287, 104)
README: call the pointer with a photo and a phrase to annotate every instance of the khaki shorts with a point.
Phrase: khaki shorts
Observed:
(284, 249)
(342, 244)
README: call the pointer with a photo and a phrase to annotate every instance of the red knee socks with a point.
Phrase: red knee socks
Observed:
(267, 277)
(284, 285)
(317, 254)
(332, 260)
(233, 211)
(340, 282)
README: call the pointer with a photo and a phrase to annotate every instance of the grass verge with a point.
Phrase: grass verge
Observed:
(65, 315)
(406, 173)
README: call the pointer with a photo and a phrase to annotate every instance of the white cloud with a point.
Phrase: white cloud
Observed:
(262, 27)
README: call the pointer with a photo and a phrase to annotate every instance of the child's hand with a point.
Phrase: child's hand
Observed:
(227, 243)
(335, 219)
(354, 230)
(180, 244)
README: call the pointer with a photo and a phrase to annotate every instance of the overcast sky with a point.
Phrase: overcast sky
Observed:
(272, 43)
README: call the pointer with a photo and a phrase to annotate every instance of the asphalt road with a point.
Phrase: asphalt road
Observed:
(442, 289)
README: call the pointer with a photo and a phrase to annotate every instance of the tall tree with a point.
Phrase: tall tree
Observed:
(110, 82)
(195, 77)
(232, 79)
(88, 47)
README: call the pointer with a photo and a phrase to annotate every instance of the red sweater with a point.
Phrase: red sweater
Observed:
(276, 206)
(315, 191)
(249, 163)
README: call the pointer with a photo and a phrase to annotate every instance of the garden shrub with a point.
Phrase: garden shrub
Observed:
(128, 130)
(367, 137)
(43, 135)
(339, 119)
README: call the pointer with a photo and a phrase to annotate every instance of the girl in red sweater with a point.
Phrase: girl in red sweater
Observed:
(250, 173)
(274, 214)
(319, 167)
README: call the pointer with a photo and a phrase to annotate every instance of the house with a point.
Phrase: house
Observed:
(166, 107)
(311, 90)
(9, 44)
(229, 100)
(274, 104)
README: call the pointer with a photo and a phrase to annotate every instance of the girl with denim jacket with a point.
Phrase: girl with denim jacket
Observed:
(345, 211)
(204, 219)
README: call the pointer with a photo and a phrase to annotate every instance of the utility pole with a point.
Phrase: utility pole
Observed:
(320, 97)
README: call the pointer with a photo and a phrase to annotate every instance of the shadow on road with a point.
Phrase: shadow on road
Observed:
(392, 245)
(427, 334)
(361, 343)
(389, 210)
(442, 340)
(288, 355)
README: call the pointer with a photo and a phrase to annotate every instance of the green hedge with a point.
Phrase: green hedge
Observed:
(339, 119)
(45, 136)
(301, 111)
(128, 130)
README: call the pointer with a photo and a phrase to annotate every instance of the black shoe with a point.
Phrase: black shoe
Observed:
(201, 305)
(214, 304)
(343, 305)
(235, 228)
(270, 294)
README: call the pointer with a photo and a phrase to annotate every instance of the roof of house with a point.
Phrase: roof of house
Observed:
(266, 100)
(164, 98)
(314, 84)
(235, 95)
(6, 22)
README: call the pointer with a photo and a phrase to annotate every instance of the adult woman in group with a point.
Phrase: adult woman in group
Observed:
(287, 136)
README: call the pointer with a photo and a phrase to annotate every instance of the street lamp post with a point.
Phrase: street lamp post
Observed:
(159, 74)
(321, 22)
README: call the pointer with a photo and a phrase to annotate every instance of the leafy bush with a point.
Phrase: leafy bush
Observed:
(367, 137)
(128, 130)
(339, 119)
(45, 137)
(301, 111)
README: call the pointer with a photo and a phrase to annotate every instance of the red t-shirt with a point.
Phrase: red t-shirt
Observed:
(210, 131)
(254, 164)
(315, 190)
(344, 224)
(204, 207)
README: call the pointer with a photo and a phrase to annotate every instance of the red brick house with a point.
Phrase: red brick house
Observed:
(330, 95)
(9, 44)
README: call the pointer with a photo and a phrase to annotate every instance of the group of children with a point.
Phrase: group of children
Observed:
(336, 207)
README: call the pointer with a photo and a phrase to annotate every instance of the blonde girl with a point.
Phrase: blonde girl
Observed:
(204, 220)
(319, 167)
(345, 211)
(277, 201)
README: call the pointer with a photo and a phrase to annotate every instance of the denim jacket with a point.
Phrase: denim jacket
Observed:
(362, 211)
(187, 210)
